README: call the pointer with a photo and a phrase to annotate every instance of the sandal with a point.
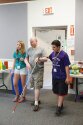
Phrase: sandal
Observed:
(22, 99)
(16, 99)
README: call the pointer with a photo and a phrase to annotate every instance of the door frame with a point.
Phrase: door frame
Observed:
(34, 29)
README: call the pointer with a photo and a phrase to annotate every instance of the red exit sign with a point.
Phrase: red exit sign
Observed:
(48, 10)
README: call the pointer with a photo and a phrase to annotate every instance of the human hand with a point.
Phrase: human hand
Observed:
(27, 64)
(41, 59)
(67, 81)
(37, 60)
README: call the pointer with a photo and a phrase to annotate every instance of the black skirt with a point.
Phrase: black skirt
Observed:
(59, 87)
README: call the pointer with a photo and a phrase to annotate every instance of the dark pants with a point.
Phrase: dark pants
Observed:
(59, 86)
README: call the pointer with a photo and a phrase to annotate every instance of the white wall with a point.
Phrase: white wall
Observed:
(79, 31)
(13, 27)
(64, 13)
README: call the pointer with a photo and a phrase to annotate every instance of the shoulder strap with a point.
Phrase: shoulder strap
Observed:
(56, 55)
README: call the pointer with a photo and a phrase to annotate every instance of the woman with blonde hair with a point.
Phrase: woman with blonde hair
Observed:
(19, 68)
